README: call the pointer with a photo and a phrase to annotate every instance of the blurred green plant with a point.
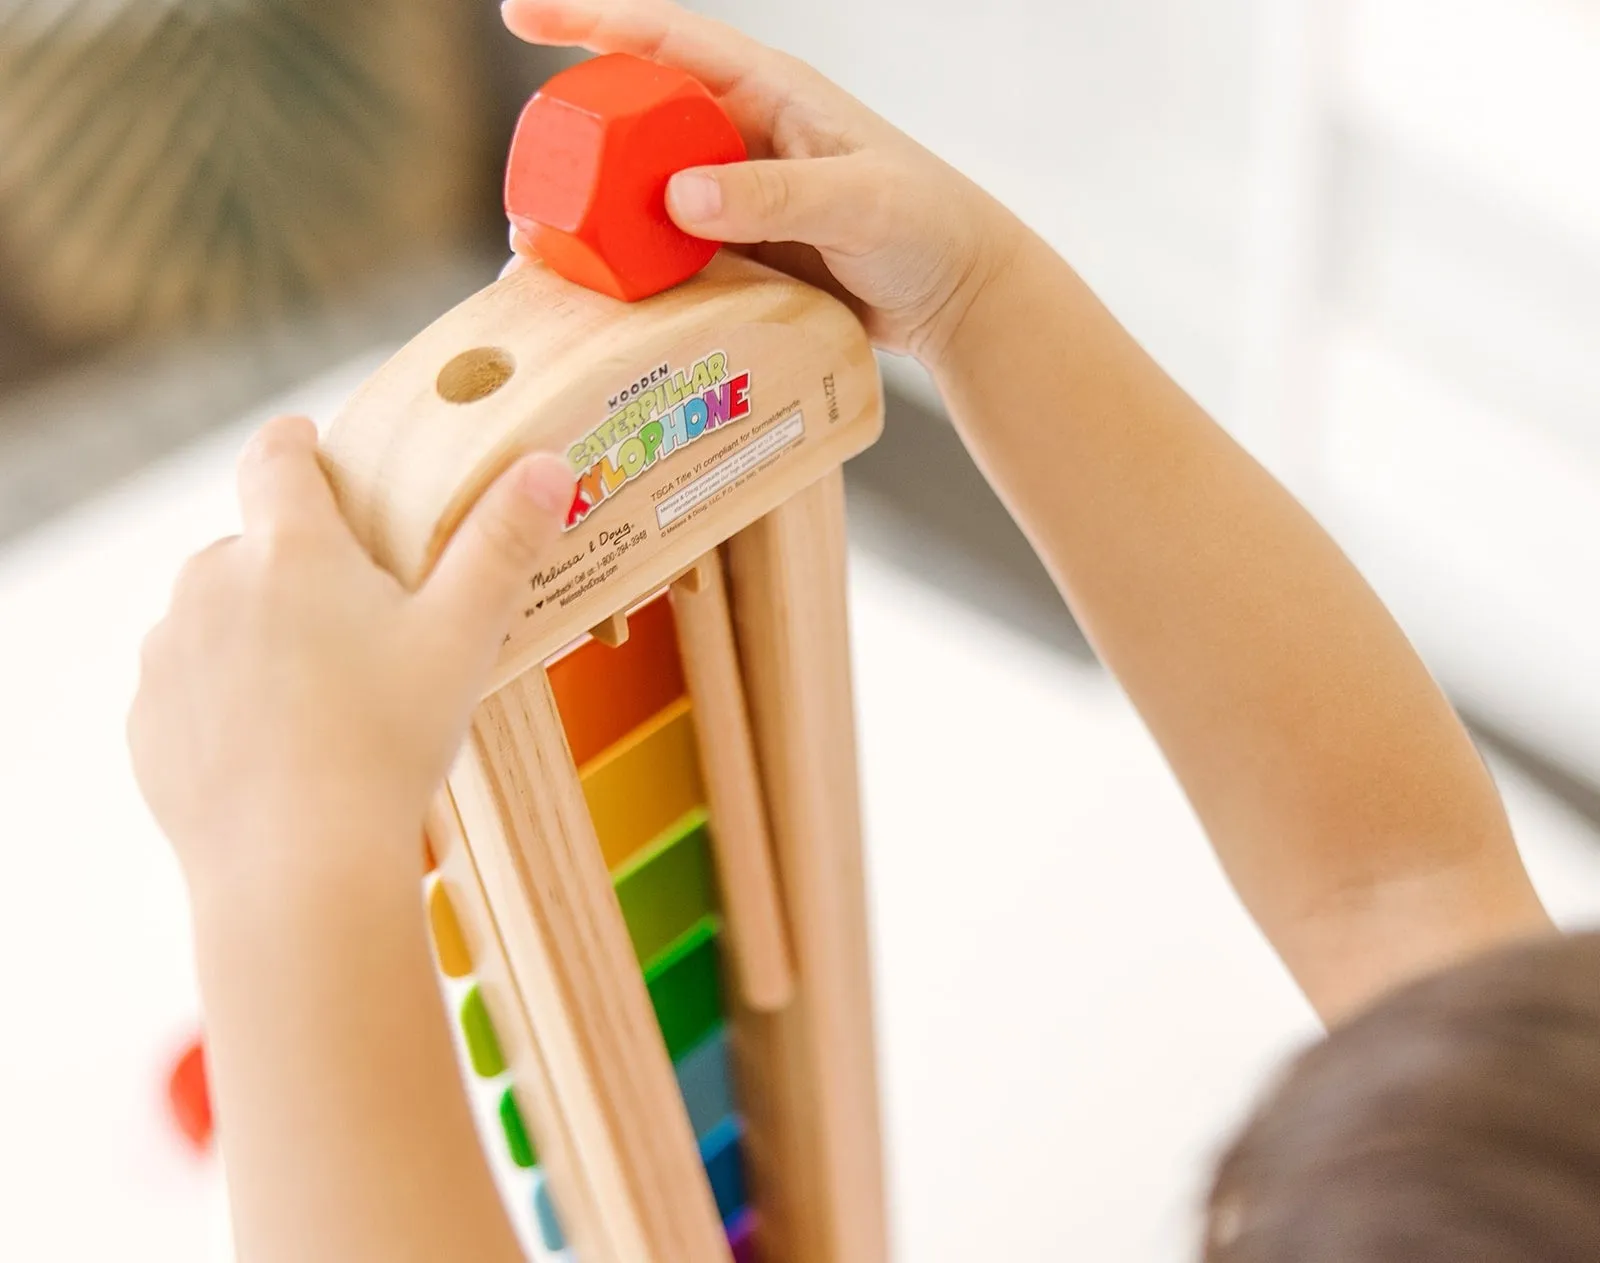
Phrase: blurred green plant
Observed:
(171, 165)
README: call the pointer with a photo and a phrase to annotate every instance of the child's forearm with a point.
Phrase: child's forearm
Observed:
(340, 1108)
(1341, 791)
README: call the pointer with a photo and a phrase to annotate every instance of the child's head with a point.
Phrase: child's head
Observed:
(1458, 1120)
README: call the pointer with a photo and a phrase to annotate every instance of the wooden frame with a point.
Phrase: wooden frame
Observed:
(706, 428)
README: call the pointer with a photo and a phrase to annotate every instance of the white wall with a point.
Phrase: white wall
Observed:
(1364, 233)
(1119, 130)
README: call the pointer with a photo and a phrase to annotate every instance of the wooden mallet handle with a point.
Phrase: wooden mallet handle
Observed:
(741, 845)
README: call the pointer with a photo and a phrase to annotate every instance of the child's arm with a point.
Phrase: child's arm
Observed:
(296, 710)
(1340, 790)
(1344, 797)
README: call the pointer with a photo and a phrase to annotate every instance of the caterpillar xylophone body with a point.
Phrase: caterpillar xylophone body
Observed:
(706, 427)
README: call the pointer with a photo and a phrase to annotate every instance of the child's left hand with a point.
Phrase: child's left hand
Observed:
(297, 707)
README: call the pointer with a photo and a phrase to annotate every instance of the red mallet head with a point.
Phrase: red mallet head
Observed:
(586, 180)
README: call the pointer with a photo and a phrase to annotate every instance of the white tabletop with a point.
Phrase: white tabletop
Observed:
(1073, 1009)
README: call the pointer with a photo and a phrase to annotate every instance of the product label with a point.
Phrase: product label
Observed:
(652, 420)
(707, 485)
(772, 421)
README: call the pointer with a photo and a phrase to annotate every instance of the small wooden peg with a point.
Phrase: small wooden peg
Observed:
(692, 580)
(611, 631)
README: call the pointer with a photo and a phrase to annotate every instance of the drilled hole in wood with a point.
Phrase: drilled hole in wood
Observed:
(475, 374)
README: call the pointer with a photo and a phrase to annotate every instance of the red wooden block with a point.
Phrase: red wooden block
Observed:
(586, 180)
(190, 1097)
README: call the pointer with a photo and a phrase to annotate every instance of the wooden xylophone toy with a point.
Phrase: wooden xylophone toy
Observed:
(647, 889)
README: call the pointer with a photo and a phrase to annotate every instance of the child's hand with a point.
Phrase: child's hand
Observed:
(850, 204)
(297, 706)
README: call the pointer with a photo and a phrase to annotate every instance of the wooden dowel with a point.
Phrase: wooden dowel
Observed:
(808, 1074)
(741, 846)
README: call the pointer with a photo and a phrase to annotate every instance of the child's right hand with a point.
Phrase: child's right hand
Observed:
(832, 194)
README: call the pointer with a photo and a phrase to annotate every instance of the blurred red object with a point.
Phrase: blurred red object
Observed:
(586, 179)
(190, 1097)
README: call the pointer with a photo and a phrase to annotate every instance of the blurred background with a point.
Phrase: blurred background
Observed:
(203, 202)
(1364, 233)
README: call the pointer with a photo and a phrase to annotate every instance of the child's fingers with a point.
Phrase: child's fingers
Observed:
(281, 483)
(474, 587)
(720, 57)
(766, 93)
(830, 203)
(802, 262)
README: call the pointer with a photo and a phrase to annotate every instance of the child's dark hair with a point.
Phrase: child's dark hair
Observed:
(1457, 1121)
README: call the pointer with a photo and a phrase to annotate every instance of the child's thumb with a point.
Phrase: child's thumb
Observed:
(817, 201)
(475, 586)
